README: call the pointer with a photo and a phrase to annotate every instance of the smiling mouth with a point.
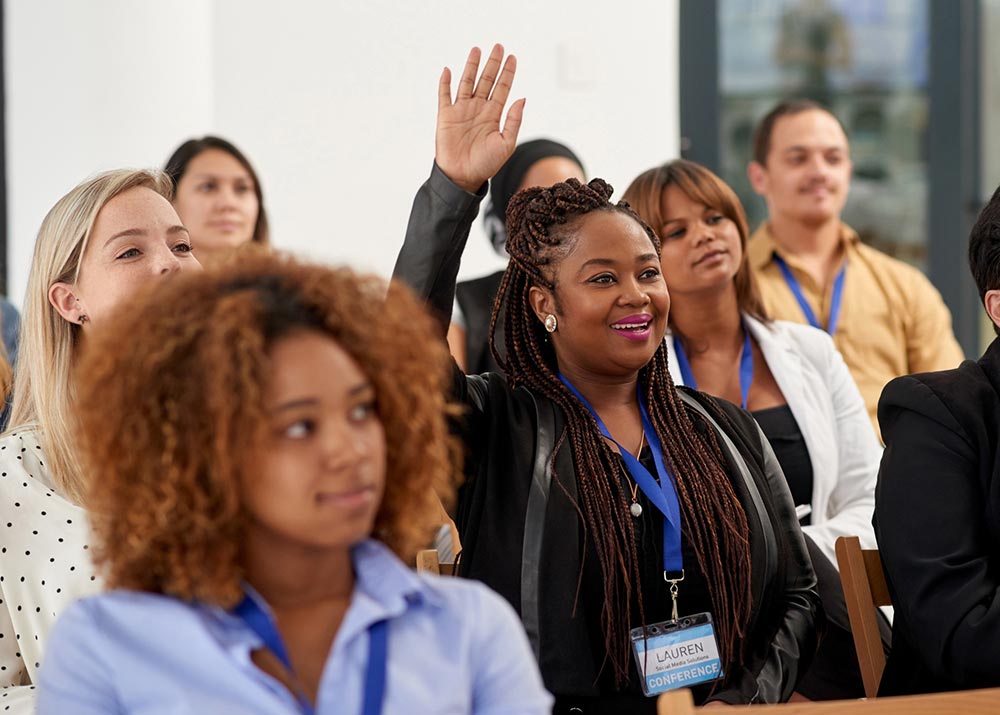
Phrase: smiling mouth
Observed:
(633, 324)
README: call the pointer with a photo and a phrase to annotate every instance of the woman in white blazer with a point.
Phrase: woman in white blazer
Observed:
(789, 376)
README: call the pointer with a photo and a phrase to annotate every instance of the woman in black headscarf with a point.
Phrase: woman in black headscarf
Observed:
(540, 162)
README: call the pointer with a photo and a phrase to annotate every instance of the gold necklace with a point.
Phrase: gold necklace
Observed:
(635, 509)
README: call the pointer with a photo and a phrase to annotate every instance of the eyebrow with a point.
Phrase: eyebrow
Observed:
(608, 262)
(358, 389)
(131, 232)
(206, 175)
(804, 147)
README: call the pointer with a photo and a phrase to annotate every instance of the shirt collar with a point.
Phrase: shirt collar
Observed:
(388, 581)
(762, 247)
(385, 588)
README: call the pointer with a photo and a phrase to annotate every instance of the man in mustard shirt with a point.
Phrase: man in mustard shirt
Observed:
(884, 315)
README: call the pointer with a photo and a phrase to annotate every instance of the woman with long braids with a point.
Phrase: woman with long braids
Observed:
(789, 376)
(645, 534)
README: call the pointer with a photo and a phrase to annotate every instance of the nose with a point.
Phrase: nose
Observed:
(704, 233)
(633, 293)
(225, 197)
(344, 448)
(166, 262)
(817, 164)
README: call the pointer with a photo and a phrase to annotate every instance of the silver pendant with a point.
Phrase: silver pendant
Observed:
(635, 509)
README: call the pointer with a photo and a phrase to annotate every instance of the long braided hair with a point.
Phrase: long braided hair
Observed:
(540, 231)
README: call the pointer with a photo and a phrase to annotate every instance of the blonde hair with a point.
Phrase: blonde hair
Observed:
(48, 342)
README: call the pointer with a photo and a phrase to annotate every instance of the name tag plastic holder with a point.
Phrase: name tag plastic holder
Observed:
(676, 654)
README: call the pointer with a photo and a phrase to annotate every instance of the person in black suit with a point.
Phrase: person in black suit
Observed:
(937, 507)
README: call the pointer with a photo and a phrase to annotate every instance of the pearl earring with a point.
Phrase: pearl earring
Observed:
(550, 323)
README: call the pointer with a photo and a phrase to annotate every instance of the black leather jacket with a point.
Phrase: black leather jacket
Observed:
(521, 531)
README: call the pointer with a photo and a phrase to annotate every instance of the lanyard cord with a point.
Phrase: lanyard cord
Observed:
(258, 620)
(662, 494)
(746, 367)
(835, 300)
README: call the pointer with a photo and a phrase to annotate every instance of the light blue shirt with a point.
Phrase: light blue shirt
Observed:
(454, 647)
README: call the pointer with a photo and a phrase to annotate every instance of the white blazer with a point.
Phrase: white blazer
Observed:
(843, 448)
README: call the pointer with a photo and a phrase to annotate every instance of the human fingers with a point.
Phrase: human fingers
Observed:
(468, 81)
(505, 81)
(444, 89)
(512, 124)
(489, 75)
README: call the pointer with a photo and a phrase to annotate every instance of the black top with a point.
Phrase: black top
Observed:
(510, 461)
(782, 431)
(476, 298)
(937, 520)
(693, 595)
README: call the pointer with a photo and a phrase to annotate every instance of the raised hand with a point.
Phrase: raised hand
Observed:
(469, 144)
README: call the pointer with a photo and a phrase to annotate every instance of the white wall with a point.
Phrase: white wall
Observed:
(94, 86)
(333, 102)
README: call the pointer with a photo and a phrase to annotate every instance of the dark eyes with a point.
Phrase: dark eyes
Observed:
(300, 429)
(210, 186)
(832, 159)
(181, 247)
(609, 279)
(360, 413)
(305, 427)
(712, 220)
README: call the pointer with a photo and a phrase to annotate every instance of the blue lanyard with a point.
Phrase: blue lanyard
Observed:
(835, 300)
(746, 367)
(662, 495)
(260, 623)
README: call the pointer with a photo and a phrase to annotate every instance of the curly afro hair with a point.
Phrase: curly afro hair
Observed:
(170, 403)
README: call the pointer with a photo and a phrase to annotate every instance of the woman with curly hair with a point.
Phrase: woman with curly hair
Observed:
(645, 534)
(287, 432)
(101, 242)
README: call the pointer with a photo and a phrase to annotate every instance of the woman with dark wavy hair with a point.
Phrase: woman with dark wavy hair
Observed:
(218, 195)
(286, 432)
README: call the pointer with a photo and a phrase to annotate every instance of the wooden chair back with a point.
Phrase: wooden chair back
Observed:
(427, 562)
(864, 590)
(967, 702)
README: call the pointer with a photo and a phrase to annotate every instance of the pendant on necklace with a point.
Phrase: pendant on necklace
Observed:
(635, 509)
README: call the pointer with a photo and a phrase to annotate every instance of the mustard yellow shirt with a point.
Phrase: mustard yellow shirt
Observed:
(892, 319)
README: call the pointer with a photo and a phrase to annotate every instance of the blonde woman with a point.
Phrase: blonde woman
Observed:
(103, 240)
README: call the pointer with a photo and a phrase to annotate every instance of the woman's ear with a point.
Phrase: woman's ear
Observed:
(542, 302)
(63, 298)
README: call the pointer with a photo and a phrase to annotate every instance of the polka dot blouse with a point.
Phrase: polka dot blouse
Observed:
(45, 564)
